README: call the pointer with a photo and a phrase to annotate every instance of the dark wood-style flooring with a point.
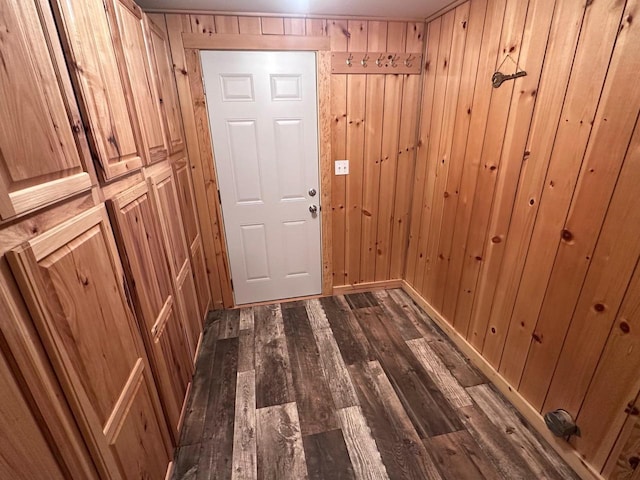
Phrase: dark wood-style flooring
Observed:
(361, 386)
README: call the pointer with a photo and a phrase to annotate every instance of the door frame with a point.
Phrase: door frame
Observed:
(193, 43)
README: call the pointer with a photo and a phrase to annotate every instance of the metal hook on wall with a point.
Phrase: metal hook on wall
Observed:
(394, 60)
(380, 60)
(349, 60)
(409, 60)
(364, 60)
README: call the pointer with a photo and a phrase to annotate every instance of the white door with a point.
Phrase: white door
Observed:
(263, 118)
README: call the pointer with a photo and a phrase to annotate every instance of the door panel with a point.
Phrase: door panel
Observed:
(74, 286)
(102, 85)
(140, 241)
(263, 119)
(39, 159)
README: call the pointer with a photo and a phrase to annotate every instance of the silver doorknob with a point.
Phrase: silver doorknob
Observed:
(313, 209)
(312, 192)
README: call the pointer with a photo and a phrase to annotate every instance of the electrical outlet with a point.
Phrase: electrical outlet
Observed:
(342, 167)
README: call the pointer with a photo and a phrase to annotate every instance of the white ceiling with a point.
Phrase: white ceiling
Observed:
(368, 8)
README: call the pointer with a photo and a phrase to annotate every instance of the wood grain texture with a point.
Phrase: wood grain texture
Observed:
(327, 456)
(244, 460)
(458, 456)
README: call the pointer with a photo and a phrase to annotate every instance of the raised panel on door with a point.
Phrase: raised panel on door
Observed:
(130, 22)
(102, 86)
(200, 278)
(141, 246)
(73, 282)
(167, 89)
(165, 197)
(39, 159)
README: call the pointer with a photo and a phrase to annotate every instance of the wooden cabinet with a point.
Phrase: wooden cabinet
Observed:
(39, 119)
(102, 86)
(129, 18)
(166, 82)
(184, 186)
(73, 283)
(145, 261)
(165, 198)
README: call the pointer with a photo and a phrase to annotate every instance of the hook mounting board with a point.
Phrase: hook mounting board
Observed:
(376, 63)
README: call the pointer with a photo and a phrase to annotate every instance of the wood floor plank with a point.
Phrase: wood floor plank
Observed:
(312, 395)
(542, 461)
(397, 314)
(351, 340)
(361, 300)
(440, 374)
(230, 324)
(459, 457)
(186, 462)
(362, 448)
(280, 448)
(459, 366)
(327, 456)
(217, 435)
(194, 421)
(402, 450)
(420, 320)
(425, 404)
(274, 384)
(244, 460)
(246, 354)
(246, 319)
(335, 370)
(316, 313)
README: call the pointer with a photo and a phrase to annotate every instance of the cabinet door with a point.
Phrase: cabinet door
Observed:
(192, 233)
(73, 282)
(103, 88)
(39, 158)
(141, 246)
(167, 90)
(166, 203)
(143, 84)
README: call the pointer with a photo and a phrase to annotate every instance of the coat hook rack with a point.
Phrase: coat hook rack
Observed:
(364, 60)
(394, 61)
(498, 78)
(349, 60)
(380, 60)
(409, 61)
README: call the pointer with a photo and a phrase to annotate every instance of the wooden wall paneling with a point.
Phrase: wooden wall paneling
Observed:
(475, 26)
(454, 34)
(140, 65)
(563, 40)
(374, 111)
(356, 96)
(393, 85)
(490, 162)
(227, 24)
(337, 30)
(272, 25)
(610, 265)
(72, 273)
(588, 74)
(249, 26)
(614, 385)
(167, 92)
(490, 51)
(176, 24)
(165, 199)
(294, 26)
(512, 157)
(41, 122)
(102, 86)
(316, 27)
(623, 461)
(406, 155)
(425, 170)
(204, 24)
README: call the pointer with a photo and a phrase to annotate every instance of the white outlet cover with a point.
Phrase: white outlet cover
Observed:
(342, 167)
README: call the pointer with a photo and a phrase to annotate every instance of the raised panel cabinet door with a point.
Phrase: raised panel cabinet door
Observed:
(129, 18)
(166, 82)
(165, 198)
(39, 158)
(72, 280)
(103, 90)
(141, 247)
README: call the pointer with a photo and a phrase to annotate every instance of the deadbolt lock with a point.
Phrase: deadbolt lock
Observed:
(312, 192)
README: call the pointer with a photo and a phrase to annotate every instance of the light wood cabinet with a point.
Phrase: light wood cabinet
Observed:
(40, 161)
(102, 86)
(166, 82)
(145, 261)
(165, 198)
(130, 22)
(73, 282)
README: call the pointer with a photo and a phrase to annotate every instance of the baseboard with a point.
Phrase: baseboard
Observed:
(367, 287)
(570, 455)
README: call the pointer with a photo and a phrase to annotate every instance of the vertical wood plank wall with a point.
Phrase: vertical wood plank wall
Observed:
(525, 222)
(374, 121)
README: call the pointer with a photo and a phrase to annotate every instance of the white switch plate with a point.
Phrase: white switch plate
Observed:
(342, 167)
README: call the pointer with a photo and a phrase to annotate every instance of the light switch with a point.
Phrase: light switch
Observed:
(342, 167)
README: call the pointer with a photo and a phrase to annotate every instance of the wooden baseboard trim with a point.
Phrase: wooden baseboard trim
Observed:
(366, 287)
(571, 456)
